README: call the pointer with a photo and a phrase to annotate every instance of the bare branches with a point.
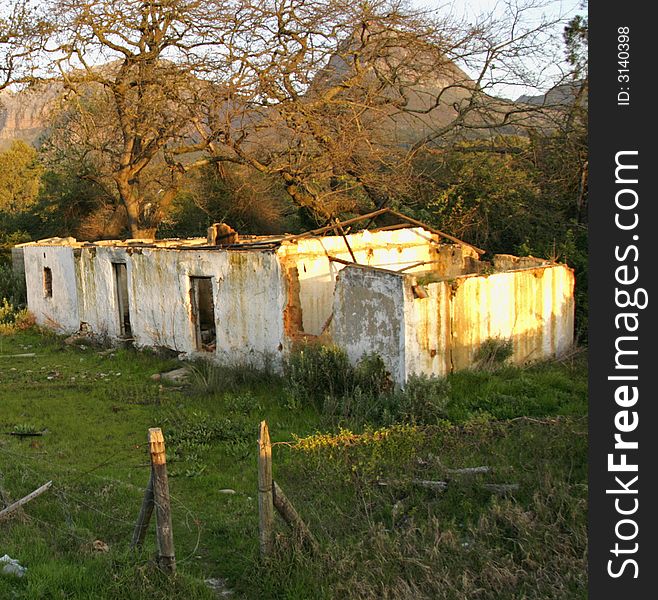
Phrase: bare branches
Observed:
(335, 98)
(24, 28)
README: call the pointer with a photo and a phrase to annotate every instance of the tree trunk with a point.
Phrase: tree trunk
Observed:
(130, 199)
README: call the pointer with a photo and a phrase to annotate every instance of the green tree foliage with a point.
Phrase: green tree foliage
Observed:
(576, 38)
(251, 202)
(486, 194)
(20, 185)
(20, 177)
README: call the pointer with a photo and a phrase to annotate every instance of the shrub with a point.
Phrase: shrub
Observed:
(372, 376)
(323, 377)
(13, 319)
(424, 399)
(12, 286)
(493, 353)
(315, 372)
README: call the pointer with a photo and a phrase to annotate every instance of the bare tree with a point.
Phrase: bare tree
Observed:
(355, 101)
(335, 98)
(24, 28)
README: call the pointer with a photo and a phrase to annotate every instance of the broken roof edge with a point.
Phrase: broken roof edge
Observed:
(197, 243)
(257, 242)
(537, 264)
(338, 225)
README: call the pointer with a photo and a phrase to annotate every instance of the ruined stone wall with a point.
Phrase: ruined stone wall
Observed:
(96, 288)
(59, 311)
(392, 250)
(441, 329)
(249, 296)
(369, 317)
(534, 308)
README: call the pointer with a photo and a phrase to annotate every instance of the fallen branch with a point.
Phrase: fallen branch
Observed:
(442, 486)
(439, 486)
(144, 516)
(469, 470)
(12, 507)
(460, 471)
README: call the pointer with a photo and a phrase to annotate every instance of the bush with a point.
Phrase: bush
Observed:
(315, 372)
(493, 353)
(323, 377)
(13, 319)
(12, 286)
(424, 399)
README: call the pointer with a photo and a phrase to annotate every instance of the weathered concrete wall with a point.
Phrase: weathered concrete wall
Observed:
(443, 331)
(534, 308)
(96, 288)
(249, 295)
(59, 312)
(264, 298)
(17, 261)
(369, 316)
(392, 250)
(428, 330)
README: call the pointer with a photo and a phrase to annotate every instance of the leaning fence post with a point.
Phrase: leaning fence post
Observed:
(144, 515)
(291, 516)
(164, 533)
(265, 499)
(31, 496)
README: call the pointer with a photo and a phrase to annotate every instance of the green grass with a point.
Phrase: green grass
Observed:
(393, 541)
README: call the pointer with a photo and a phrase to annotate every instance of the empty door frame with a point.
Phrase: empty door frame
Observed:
(123, 308)
(203, 313)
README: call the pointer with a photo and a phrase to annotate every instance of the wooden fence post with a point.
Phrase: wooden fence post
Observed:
(144, 515)
(164, 533)
(265, 499)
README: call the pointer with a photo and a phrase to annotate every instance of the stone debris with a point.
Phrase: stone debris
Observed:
(177, 375)
(10, 566)
(100, 546)
(81, 336)
(219, 587)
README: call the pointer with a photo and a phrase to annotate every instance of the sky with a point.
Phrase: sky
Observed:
(550, 9)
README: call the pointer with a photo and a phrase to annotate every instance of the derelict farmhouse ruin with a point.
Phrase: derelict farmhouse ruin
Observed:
(423, 301)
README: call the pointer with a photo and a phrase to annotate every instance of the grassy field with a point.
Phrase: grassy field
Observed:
(382, 535)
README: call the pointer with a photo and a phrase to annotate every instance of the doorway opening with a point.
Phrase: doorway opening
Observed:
(121, 280)
(203, 313)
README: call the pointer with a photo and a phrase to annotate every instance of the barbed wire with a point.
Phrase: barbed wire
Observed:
(75, 475)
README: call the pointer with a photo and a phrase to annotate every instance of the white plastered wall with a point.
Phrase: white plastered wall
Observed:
(59, 312)
(392, 250)
(97, 292)
(249, 296)
(369, 317)
(376, 311)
